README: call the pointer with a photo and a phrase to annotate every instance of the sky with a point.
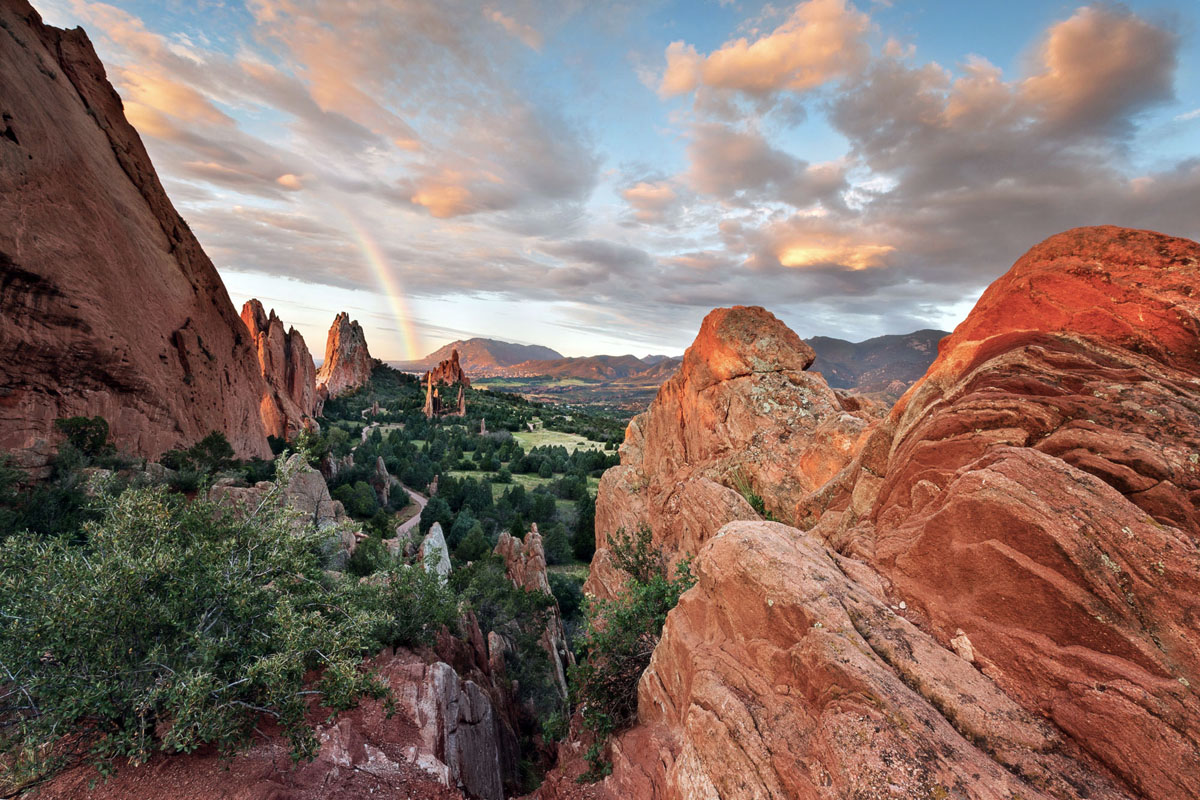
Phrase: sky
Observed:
(596, 175)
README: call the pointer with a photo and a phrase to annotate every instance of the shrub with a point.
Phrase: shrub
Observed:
(176, 626)
(369, 556)
(88, 435)
(358, 498)
(568, 591)
(557, 545)
(621, 636)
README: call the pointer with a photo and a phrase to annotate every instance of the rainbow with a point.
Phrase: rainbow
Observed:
(390, 286)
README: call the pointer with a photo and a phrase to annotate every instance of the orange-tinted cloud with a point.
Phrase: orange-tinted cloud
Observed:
(650, 200)
(526, 34)
(1098, 66)
(822, 40)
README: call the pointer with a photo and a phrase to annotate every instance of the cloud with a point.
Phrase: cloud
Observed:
(528, 35)
(650, 201)
(822, 40)
(1098, 67)
(739, 165)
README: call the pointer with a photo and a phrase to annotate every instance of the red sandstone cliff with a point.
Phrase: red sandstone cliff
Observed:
(996, 597)
(348, 363)
(108, 305)
(290, 402)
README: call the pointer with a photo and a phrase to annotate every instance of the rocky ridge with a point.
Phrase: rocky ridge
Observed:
(165, 365)
(994, 595)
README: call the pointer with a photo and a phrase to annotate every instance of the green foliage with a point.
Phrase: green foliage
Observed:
(752, 497)
(177, 625)
(313, 446)
(568, 591)
(370, 556)
(583, 542)
(621, 636)
(208, 456)
(557, 544)
(520, 617)
(88, 435)
(412, 603)
(474, 545)
(358, 498)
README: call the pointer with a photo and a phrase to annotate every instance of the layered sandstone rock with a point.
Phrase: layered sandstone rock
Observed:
(290, 402)
(741, 414)
(1041, 496)
(996, 596)
(108, 305)
(525, 565)
(348, 363)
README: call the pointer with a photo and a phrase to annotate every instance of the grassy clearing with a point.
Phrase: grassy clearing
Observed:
(542, 437)
(530, 482)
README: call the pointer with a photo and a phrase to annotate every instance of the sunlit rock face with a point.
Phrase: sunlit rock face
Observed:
(348, 363)
(290, 402)
(741, 415)
(108, 305)
(994, 597)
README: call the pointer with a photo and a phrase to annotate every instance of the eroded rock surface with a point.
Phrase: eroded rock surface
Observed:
(290, 403)
(997, 594)
(108, 304)
(525, 565)
(741, 414)
(347, 363)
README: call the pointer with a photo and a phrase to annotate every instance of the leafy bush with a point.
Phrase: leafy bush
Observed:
(621, 636)
(176, 626)
(370, 556)
(88, 435)
(358, 498)
(518, 615)
(210, 455)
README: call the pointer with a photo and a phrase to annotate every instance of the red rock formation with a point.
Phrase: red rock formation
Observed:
(348, 363)
(448, 373)
(525, 565)
(108, 305)
(290, 402)
(741, 413)
(1041, 496)
(1021, 619)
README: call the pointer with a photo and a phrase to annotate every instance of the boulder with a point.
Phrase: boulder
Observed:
(996, 593)
(83, 219)
(302, 489)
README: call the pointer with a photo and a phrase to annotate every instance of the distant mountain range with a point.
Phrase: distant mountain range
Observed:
(876, 364)
(481, 356)
(883, 364)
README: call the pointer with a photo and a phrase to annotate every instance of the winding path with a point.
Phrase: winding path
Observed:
(405, 527)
